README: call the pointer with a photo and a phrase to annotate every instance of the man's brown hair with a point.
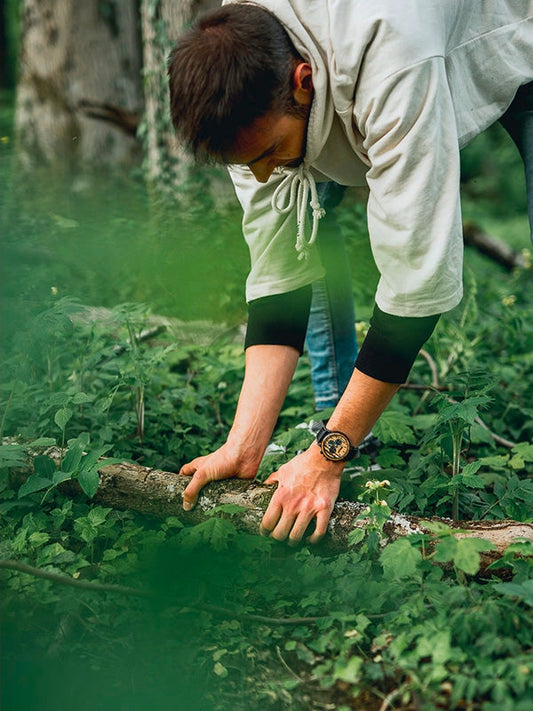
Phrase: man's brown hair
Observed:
(232, 66)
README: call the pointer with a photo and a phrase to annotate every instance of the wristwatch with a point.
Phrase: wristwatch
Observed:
(334, 445)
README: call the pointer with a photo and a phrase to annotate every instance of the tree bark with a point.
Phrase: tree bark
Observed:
(159, 493)
(73, 52)
(491, 247)
(168, 165)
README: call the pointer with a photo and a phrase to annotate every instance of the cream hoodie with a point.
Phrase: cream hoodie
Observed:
(400, 87)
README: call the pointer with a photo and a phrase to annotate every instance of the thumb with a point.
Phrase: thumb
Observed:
(272, 479)
(192, 490)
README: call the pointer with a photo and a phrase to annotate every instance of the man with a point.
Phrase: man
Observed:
(291, 93)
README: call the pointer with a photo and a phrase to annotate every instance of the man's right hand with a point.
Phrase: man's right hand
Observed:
(224, 463)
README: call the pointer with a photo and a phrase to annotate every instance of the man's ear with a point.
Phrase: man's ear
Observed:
(302, 79)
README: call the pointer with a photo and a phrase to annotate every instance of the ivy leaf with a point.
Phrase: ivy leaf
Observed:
(400, 559)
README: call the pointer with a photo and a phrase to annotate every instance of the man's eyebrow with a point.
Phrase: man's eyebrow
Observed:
(264, 154)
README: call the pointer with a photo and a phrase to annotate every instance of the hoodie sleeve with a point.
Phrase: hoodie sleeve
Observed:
(414, 219)
(271, 237)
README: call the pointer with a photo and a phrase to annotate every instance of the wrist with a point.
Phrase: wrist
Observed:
(246, 451)
(320, 462)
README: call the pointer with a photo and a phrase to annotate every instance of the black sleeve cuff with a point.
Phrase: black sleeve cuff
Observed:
(279, 320)
(392, 344)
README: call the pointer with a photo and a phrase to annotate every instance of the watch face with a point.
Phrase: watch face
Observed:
(336, 446)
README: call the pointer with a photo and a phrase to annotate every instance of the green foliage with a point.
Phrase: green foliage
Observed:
(236, 621)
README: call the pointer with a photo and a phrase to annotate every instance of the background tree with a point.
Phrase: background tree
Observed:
(168, 167)
(71, 53)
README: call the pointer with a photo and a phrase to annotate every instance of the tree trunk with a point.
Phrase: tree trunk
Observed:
(73, 52)
(168, 166)
(159, 493)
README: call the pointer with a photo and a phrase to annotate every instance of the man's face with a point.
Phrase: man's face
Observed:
(271, 141)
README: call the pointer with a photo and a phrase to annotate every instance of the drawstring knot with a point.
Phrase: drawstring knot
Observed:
(294, 190)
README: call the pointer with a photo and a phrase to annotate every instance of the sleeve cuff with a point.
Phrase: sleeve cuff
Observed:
(392, 345)
(280, 319)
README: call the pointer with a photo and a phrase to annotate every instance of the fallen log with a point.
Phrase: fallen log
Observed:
(159, 493)
(491, 247)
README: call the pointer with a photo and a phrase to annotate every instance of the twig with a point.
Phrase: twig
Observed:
(432, 366)
(61, 579)
(287, 667)
(72, 582)
(388, 699)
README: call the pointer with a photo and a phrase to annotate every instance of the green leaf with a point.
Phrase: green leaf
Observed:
(98, 515)
(438, 528)
(389, 457)
(215, 532)
(227, 509)
(356, 536)
(400, 559)
(72, 459)
(82, 399)
(34, 483)
(43, 442)
(394, 426)
(523, 591)
(348, 671)
(445, 549)
(62, 417)
(44, 466)
(12, 455)
(39, 538)
(89, 481)
(91, 458)
(467, 557)
(524, 450)
(59, 477)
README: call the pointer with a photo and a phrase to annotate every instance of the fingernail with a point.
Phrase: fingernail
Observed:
(187, 506)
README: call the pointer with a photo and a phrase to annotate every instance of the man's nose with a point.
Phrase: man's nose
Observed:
(262, 170)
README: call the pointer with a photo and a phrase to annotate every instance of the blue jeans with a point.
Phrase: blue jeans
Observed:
(330, 340)
(518, 122)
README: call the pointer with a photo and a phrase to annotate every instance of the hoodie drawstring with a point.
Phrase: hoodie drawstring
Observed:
(294, 189)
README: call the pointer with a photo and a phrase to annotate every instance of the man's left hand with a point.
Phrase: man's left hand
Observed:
(308, 486)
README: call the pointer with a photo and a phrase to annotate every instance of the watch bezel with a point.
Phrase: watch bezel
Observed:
(321, 433)
(346, 449)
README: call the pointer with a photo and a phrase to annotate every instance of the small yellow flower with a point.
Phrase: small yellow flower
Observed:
(4, 139)
(383, 503)
(509, 300)
(385, 482)
(54, 290)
